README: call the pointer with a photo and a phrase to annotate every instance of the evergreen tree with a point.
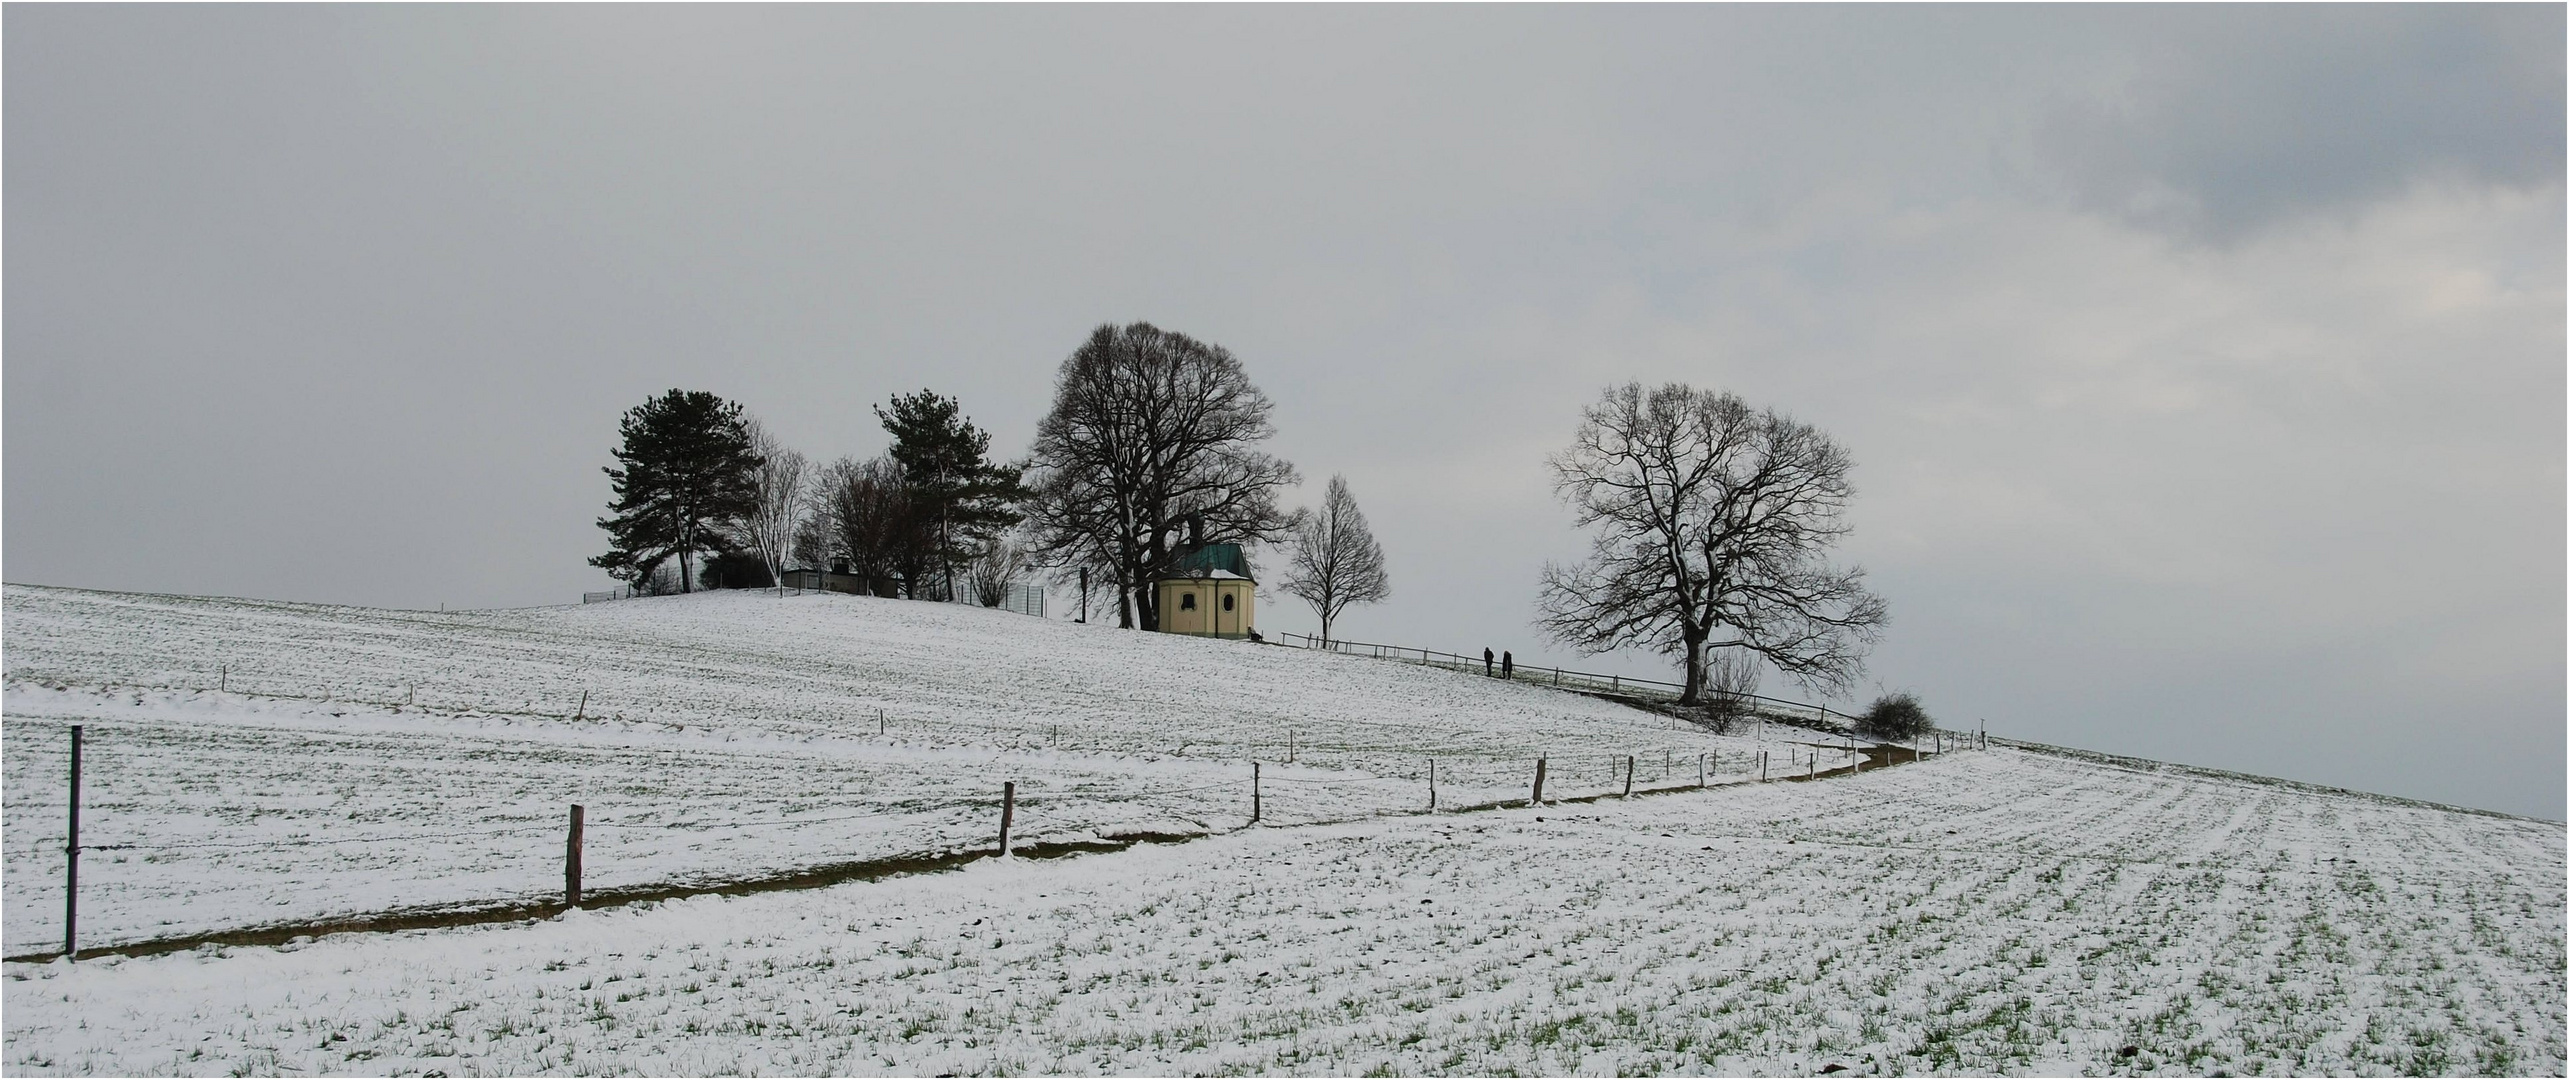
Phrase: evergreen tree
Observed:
(961, 500)
(686, 470)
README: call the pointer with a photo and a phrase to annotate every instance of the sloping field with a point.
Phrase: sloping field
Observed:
(251, 763)
(2002, 912)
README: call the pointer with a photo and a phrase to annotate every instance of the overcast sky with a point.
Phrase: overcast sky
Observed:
(2203, 366)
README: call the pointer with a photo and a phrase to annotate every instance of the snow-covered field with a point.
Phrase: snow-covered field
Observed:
(1999, 911)
(365, 761)
(1992, 912)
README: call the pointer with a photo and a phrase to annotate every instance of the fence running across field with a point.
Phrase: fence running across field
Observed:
(1370, 782)
(1023, 598)
(1585, 681)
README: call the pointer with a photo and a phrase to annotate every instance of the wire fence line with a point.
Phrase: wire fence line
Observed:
(1019, 597)
(1564, 678)
(1401, 776)
(1392, 758)
(1074, 816)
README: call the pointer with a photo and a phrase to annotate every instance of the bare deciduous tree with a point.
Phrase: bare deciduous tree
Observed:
(1336, 562)
(814, 543)
(1730, 683)
(1710, 517)
(862, 517)
(886, 535)
(993, 571)
(1150, 428)
(780, 486)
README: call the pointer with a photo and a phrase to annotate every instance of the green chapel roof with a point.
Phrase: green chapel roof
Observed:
(1211, 560)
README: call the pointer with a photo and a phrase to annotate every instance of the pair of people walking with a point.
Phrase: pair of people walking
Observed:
(1506, 663)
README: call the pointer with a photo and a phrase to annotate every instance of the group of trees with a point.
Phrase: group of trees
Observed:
(1150, 430)
(1710, 520)
(1152, 434)
(696, 478)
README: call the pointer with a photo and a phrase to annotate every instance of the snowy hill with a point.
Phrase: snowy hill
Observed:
(1994, 912)
(364, 760)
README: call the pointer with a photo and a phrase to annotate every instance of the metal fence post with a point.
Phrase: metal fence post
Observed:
(71, 860)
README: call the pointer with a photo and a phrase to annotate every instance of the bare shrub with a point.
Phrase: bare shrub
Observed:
(1730, 684)
(1895, 716)
(993, 572)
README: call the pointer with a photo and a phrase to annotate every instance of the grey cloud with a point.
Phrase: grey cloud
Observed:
(2234, 119)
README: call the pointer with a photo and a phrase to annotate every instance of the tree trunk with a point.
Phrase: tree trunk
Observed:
(1324, 628)
(1145, 593)
(1694, 667)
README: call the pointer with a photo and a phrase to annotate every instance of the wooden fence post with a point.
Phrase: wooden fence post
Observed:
(1255, 810)
(1538, 783)
(1431, 785)
(71, 860)
(583, 714)
(1629, 761)
(571, 860)
(1007, 814)
(1699, 770)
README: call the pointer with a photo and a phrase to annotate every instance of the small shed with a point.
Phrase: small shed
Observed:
(1208, 592)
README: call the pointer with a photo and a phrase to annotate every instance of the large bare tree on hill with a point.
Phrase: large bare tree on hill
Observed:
(1336, 562)
(1148, 429)
(1711, 524)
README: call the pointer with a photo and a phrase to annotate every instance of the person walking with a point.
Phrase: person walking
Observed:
(1487, 659)
(1507, 665)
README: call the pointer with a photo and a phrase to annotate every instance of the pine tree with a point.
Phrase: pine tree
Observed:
(685, 471)
(962, 500)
